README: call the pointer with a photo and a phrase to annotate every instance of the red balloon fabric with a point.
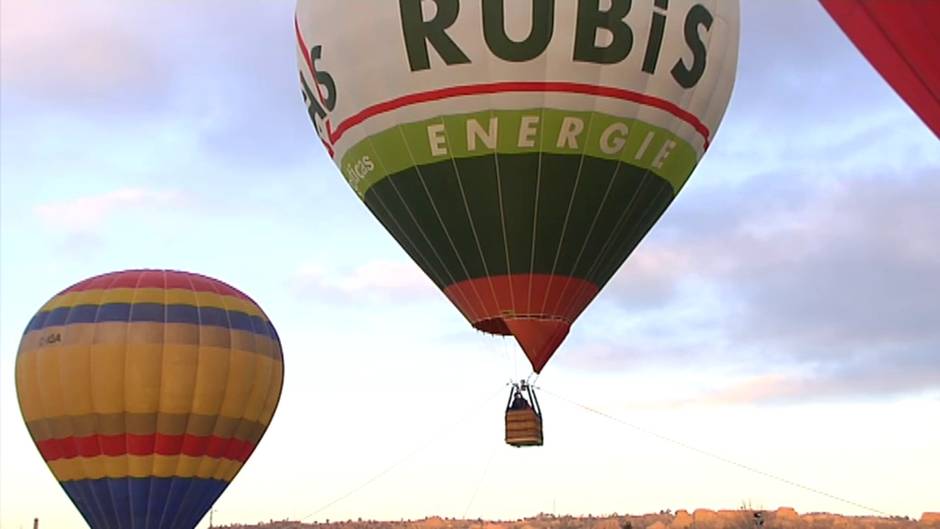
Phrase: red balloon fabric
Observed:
(901, 39)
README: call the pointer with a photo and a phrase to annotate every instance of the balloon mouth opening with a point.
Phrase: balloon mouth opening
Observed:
(493, 326)
(539, 338)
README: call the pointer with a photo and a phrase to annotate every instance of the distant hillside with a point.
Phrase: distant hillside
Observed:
(782, 518)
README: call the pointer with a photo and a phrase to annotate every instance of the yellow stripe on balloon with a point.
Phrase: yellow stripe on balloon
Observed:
(158, 466)
(167, 378)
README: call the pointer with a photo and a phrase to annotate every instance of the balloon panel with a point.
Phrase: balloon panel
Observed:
(517, 151)
(900, 38)
(146, 391)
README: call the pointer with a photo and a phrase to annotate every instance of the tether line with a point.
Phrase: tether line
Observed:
(717, 457)
(464, 416)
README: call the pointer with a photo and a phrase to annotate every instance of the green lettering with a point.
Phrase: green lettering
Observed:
(590, 19)
(494, 30)
(687, 76)
(419, 33)
(655, 42)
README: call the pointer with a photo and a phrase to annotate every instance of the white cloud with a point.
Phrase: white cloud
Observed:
(87, 214)
(380, 280)
(834, 279)
(78, 56)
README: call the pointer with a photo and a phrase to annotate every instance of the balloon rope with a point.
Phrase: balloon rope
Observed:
(464, 416)
(716, 456)
(486, 469)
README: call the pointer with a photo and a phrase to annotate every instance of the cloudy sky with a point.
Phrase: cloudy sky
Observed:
(784, 313)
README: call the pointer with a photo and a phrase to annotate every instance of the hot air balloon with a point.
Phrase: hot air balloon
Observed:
(517, 151)
(900, 38)
(146, 391)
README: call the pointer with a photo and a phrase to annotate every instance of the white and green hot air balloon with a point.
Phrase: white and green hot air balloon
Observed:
(517, 150)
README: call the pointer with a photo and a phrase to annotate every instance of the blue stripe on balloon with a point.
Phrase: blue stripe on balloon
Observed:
(152, 312)
(155, 503)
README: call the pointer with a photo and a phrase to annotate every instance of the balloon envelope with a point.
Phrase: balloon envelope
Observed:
(901, 39)
(517, 151)
(146, 391)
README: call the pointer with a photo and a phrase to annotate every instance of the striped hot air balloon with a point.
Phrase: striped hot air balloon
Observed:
(517, 151)
(146, 391)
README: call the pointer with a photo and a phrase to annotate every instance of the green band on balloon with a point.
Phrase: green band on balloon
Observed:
(519, 131)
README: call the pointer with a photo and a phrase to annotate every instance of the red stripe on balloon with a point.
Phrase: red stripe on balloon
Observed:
(522, 86)
(537, 309)
(531, 296)
(157, 279)
(144, 445)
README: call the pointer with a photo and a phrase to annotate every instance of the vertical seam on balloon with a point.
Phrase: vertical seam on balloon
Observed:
(597, 214)
(424, 263)
(499, 197)
(502, 216)
(38, 352)
(94, 331)
(127, 352)
(618, 228)
(574, 193)
(228, 374)
(611, 265)
(174, 480)
(430, 267)
(88, 492)
(582, 288)
(417, 169)
(35, 375)
(466, 205)
(577, 261)
(404, 232)
(391, 215)
(611, 237)
(220, 461)
(43, 403)
(538, 185)
(605, 263)
(611, 260)
(629, 245)
(156, 424)
(611, 249)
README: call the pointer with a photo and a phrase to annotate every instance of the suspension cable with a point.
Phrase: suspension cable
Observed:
(715, 456)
